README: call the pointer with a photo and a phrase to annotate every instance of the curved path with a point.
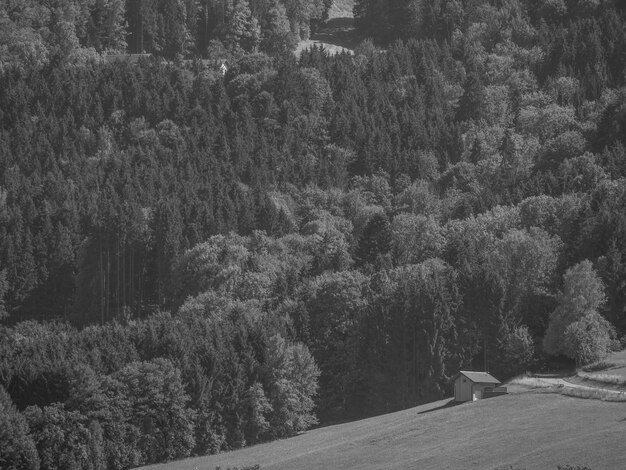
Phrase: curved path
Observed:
(565, 383)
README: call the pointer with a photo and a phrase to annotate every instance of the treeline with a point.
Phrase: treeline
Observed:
(127, 394)
(399, 213)
(34, 32)
(580, 39)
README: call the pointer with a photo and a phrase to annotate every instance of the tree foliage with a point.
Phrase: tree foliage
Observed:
(193, 260)
(582, 296)
(17, 448)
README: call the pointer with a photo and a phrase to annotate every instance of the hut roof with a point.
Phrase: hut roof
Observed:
(478, 377)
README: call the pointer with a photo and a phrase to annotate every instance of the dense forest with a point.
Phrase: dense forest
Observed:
(193, 261)
(34, 31)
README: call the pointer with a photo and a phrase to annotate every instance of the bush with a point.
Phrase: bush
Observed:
(588, 339)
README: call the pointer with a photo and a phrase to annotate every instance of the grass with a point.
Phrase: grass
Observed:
(610, 379)
(598, 366)
(531, 382)
(613, 365)
(331, 49)
(607, 373)
(532, 430)
(252, 467)
(570, 391)
(593, 394)
(560, 467)
(341, 9)
(338, 34)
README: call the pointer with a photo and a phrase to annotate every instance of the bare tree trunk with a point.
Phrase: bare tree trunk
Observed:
(117, 287)
(108, 284)
(101, 280)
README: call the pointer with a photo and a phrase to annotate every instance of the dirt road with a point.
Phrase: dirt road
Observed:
(565, 383)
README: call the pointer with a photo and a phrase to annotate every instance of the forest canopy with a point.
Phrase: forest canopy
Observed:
(33, 32)
(193, 261)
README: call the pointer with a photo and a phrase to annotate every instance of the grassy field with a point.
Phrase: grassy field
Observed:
(341, 9)
(608, 373)
(598, 387)
(614, 364)
(530, 430)
(338, 34)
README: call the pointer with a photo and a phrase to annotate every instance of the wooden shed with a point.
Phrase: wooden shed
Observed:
(469, 386)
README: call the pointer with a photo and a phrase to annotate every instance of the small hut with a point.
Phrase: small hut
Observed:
(470, 386)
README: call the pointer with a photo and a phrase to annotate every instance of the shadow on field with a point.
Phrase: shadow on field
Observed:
(448, 404)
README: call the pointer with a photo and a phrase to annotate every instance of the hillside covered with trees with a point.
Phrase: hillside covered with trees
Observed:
(192, 262)
(34, 32)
